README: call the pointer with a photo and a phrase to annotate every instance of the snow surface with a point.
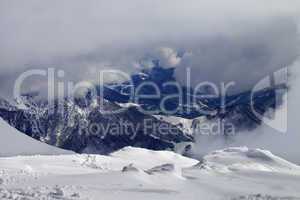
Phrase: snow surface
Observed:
(134, 173)
(14, 143)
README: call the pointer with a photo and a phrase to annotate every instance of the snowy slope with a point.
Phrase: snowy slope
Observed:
(244, 159)
(145, 158)
(134, 173)
(14, 143)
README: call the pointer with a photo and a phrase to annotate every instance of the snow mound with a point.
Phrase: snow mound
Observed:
(243, 159)
(15, 143)
(145, 159)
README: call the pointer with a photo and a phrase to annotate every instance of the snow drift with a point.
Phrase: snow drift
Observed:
(244, 159)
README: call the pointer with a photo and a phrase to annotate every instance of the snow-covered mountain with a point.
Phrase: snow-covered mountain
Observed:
(81, 125)
(191, 104)
(71, 125)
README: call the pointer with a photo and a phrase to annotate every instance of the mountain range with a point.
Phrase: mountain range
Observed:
(83, 125)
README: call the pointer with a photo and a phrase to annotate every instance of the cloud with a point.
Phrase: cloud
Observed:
(220, 40)
(168, 57)
(243, 56)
